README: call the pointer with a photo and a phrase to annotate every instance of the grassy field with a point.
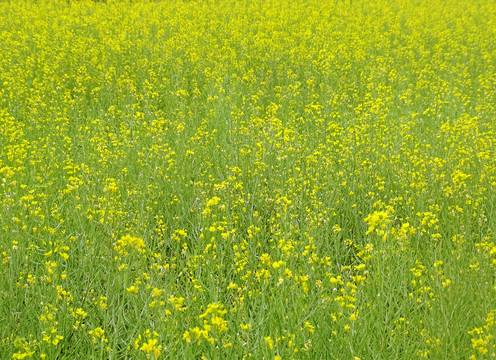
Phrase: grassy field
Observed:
(273, 179)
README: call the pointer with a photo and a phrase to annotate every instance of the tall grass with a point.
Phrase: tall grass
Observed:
(247, 179)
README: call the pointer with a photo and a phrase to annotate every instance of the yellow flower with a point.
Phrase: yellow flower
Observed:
(133, 289)
(269, 342)
(151, 347)
(187, 336)
(309, 327)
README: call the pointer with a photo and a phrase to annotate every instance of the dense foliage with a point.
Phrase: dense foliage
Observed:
(256, 178)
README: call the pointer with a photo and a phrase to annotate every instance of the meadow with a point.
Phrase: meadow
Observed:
(264, 179)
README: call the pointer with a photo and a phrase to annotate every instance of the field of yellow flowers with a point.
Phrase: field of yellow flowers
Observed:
(276, 179)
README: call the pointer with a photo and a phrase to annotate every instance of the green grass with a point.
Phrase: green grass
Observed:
(247, 179)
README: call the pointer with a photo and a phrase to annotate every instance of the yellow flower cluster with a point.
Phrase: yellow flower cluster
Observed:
(277, 179)
(129, 242)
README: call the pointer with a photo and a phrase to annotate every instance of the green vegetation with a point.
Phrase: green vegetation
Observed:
(273, 179)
